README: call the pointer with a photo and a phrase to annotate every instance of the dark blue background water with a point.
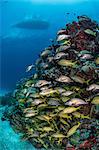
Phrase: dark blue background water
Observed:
(20, 48)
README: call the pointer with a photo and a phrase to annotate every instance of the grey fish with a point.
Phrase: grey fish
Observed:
(53, 103)
(62, 31)
(84, 52)
(63, 37)
(86, 56)
(67, 93)
(37, 101)
(41, 83)
(62, 48)
(64, 79)
(93, 87)
(59, 55)
(76, 102)
(29, 68)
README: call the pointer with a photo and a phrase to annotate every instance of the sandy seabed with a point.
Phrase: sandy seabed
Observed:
(9, 140)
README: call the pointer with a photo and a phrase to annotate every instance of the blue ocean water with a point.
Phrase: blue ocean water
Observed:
(19, 47)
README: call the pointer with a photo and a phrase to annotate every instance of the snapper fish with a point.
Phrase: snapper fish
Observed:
(76, 102)
(62, 48)
(38, 61)
(53, 103)
(67, 63)
(48, 92)
(65, 42)
(41, 83)
(31, 113)
(79, 115)
(60, 90)
(73, 130)
(45, 53)
(29, 68)
(37, 101)
(86, 56)
(35, 76)
(83, 52)
(93, 87)
(67, 93)
(64, 79)
(62, 31)
(50, 59)
(47, 129)
(59, 55)
(95, 100)
(78, 79)
(97, 60)
(69, 110)
(44, 88)
(90, 32)
(58, 135)
(63, 37)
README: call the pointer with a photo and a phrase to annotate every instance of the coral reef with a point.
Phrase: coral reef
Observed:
(57, 107)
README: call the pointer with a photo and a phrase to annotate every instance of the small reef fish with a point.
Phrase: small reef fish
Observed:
(73, 130)
(90, 32)
(37, 101)
(79, 115)
(44, 117)
(61, 108)
(69, 110)
(35, 76)
(76, 102)
(64, 122)
(53, 103)
(42, 106)
(45, 53)
(59, 55)
(58, 135)
(65, 116)
(86, 56)
(34, 95)
(62, 31)
(93, 87)
(78, 79)
(38, 61)
(83, 52)
(41, 83)
(29, 68)
(65, 42)
(31, 113)
(63, 37)
(64, 79)
(65, 98)
(97, 60)
(62, 48)
(66, 63)
(67, 93)
(50, 59)
(60, 90)
(95, 100)
(44, 88)
(47, 92)
(47, 129)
